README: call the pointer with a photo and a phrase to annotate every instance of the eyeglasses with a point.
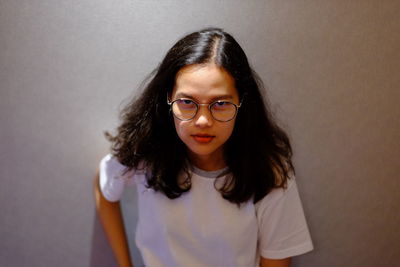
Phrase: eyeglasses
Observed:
(185, 109)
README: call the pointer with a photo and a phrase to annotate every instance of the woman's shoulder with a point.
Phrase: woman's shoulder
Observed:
(280, 193)
(114, 176)
(111, 168)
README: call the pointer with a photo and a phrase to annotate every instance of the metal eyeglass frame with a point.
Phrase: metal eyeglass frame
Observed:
(170, 103)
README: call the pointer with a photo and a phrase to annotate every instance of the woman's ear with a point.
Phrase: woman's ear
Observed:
(168, 97)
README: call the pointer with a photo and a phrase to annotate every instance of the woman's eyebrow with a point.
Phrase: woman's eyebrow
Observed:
(183, 95)
(222, 97)
(219, 97)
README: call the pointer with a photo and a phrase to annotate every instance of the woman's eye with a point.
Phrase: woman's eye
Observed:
(186, 104)
(221, 103)
(223, 106)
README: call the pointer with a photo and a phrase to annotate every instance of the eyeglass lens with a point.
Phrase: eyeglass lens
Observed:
(186, 109)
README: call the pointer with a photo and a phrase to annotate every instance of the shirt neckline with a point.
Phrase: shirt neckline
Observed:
(208, 174)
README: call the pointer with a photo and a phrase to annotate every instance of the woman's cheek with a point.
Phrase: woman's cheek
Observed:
(181, 129)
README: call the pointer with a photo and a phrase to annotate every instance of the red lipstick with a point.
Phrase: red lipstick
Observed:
(203, 138)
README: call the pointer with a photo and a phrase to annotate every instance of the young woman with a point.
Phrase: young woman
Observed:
(212, 169)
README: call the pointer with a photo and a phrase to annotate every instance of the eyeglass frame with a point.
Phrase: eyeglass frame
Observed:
(170, 103)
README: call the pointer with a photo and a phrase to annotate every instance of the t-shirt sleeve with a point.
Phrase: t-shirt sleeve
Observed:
(113, 178)
(283, 230)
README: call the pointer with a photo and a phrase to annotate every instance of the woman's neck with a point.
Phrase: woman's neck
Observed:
(208, 162)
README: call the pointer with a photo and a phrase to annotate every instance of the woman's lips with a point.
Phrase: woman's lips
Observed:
(203, 138)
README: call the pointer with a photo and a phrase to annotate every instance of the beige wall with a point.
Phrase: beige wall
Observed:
(332, 69)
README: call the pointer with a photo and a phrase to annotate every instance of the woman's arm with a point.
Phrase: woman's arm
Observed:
(111, 218)
(275, 263)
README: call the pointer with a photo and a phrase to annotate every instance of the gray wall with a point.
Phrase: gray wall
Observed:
(332, 72)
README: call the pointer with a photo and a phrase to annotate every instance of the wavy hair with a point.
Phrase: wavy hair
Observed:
(258, 153)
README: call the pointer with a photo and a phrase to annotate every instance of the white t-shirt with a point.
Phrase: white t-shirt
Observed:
(200, 228)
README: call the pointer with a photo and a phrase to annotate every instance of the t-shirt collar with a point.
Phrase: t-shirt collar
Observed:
(208, 174)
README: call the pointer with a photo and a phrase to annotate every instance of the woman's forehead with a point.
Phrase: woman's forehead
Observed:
(208, 81)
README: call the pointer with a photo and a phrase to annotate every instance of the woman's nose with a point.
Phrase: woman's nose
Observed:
(203, 117)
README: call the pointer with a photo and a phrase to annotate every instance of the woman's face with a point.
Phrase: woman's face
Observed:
(203, 135)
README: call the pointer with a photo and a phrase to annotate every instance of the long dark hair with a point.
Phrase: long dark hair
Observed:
(258, 153)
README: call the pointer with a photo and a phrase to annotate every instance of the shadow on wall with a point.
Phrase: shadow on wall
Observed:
(101, 253)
